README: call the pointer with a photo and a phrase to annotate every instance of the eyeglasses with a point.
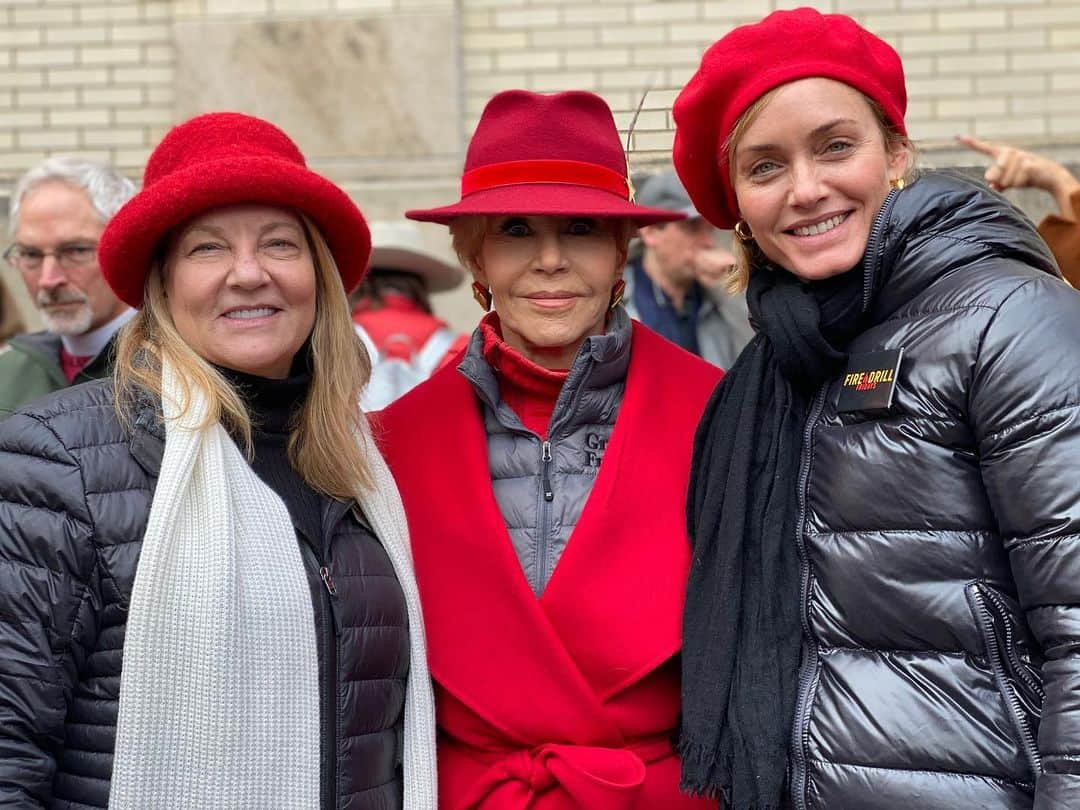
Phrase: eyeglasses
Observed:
(30, 260)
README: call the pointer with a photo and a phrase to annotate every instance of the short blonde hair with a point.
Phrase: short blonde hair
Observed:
(467, 236)
(323, 444)
(748, 254)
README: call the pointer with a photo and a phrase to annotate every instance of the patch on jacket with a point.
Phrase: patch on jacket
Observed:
(869, 381)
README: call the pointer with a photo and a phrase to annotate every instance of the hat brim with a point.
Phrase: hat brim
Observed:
(545, 199)
(439, 276)
(127, 246)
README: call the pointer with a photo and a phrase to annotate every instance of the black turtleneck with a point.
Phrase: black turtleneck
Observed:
(272, 405)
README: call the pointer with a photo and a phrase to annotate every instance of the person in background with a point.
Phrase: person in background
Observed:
(392, 307)
(1015, 168)
(206, 597)
(11, 322)
(675, 282)
(884, 606)
(544, 479)
(58, 212)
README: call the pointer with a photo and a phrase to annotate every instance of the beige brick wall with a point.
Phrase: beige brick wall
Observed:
(97, 78)
(991, 67)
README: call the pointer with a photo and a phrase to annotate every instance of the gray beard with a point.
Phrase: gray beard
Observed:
(76, 322)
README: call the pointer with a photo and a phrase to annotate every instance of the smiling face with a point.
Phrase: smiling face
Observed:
(810, 175)
(550, 280)
(240, 287)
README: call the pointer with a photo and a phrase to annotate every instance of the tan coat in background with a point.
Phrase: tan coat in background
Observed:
(1063, 237)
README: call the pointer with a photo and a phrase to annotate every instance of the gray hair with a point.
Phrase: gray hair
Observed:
(107, 189)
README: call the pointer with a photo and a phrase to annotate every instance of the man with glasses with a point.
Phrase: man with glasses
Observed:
(674, 281)
(58, 211)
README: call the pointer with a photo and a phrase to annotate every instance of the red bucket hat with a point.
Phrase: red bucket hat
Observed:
(752, 60)
(545, 155)
(222, 159)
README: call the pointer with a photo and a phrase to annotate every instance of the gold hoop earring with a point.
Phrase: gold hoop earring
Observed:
(742, 230)
(898, 183)
(482, 295)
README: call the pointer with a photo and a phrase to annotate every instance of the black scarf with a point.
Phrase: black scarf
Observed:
(741, 628)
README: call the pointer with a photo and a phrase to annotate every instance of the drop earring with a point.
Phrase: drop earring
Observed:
(742, 230)
(617, 293)
(482, 295)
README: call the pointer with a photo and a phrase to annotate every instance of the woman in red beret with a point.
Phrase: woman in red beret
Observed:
(884, 606)
(206, 597)
(544, 477)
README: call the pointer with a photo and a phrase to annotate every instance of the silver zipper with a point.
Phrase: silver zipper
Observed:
(328, 580)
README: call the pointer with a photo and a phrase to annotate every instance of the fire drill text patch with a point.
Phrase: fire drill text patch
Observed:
(869, 381)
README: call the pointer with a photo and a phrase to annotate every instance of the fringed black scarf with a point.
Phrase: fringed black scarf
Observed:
(741, 628)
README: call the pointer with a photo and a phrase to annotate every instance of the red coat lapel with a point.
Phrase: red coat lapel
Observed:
(489, 642)
(616, 596)
(612, 611)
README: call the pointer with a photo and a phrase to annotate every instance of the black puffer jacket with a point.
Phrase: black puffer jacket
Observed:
(941, 539)
(75, 493)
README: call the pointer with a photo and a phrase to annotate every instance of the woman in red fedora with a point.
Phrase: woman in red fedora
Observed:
(206, 596)
(884, 606)
(544, 480)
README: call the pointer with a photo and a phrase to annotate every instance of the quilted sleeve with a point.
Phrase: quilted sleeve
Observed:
(1025, 406)
(46, 561)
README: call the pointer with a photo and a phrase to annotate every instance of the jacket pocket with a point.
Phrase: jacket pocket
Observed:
(1014, 663)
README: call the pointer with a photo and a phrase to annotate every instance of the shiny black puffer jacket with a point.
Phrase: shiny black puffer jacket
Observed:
(75, 493)
(940, 539)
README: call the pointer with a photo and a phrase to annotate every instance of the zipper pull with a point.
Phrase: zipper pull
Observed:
(545, 457)
(328, 580)
(331, 588)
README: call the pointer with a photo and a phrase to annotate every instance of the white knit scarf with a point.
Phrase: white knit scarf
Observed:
(219, 690)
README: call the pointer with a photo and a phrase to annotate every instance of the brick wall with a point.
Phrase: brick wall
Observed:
(1008, 70)
(96, 78)
(86, 78)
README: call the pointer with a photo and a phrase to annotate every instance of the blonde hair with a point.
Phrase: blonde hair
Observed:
(747, 254)
(467, 236)
(323, 445)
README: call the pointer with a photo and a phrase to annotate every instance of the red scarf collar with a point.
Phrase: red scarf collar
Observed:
(530, 390)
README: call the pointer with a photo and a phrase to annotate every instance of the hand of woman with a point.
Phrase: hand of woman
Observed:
(1015, 168)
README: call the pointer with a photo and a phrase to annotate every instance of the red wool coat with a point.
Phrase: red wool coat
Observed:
(570, 700)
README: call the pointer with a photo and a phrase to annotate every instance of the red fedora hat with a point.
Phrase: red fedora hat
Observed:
(221, 159)
(545, 155)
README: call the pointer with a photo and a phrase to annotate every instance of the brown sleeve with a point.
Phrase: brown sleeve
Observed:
(1063, 237)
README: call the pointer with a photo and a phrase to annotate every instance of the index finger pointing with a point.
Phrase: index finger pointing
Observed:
(979, 146)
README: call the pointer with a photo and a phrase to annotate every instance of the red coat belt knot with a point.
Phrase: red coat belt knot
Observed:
(586, 776)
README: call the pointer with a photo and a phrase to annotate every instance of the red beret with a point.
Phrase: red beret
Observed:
(221, 159)
(752, 60)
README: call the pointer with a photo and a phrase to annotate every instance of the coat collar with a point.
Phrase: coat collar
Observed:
(943, 223)
(147, 444)
(601, 361)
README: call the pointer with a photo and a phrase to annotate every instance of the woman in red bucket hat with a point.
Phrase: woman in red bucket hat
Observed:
(885, 506)
(205, 582)
(544, 476)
